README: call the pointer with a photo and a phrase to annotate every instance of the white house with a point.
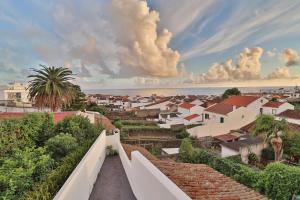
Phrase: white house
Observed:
(192, 119)
(187, 109)
(162, 105)
(254, 103)
(197, 102)
(292, 116)
(16, 92)
(274, 108)
(222, 118)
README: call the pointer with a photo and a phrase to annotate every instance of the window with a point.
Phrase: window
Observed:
(274, 111)
(261, 101)
(206, 116)
(261, 110)
(221, 119)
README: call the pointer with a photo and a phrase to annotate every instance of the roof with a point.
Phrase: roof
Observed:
(273, 104)
(199, 181)
(170, 151)
(293, 114)
(220, 108)
(186, 105)
(226, 137)
(240, 100)
(244, 141)
(190, 117)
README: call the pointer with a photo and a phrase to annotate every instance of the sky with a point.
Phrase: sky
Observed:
(153, 43)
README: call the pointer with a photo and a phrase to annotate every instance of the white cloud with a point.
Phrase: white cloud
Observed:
(280, 73)
(290, 57)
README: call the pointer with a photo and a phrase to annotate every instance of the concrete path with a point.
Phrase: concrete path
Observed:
(112, 182)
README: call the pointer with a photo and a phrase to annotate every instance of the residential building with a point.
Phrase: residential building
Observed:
(292, 116)
(274, 108)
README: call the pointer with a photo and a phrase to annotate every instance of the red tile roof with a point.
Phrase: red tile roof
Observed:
(220, 108)
(186, 105)
(273, 104)
(198, 181)
(190, 117)
(59, 116)
(293, 114)
(226, 137)
(240, 100)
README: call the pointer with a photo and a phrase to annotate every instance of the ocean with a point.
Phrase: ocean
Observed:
(178, 91)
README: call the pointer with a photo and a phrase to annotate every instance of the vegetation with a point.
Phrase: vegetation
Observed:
(296, 104)
(272, 130)
(95, 108)
(156, 150)
(295, 147)
(50, 87)
(231, 92)
(111, 151)
(36, 154)
(182, 134)
(278, 181)
(78, 103)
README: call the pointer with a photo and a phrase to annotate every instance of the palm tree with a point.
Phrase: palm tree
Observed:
(51, 87)
(272, 129)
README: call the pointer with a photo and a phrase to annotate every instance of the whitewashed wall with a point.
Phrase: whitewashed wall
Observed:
(147, 181)
(283, 107)
(80, 183)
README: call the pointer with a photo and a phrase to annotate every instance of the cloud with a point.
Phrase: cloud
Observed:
(290, 57)
(147, 81)
(272, 53)
(247, 67)
(280, 73)
(142, 49)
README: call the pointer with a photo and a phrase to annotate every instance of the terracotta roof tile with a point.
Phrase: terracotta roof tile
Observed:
(240, 100)
(198, 181)
(294, 114)
(220, 108)
(186, 105)
(190, 117)
(273, 104)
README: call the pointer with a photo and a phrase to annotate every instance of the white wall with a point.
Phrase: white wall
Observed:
(281, 108)
(148, 182)
(80, 183)
(256, 105)
(234, 120)
(290, 120)
(225, 152)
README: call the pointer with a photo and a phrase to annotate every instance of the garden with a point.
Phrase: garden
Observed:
(37, 156)
(277, 181)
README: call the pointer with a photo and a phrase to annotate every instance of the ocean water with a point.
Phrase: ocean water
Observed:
(178, 91)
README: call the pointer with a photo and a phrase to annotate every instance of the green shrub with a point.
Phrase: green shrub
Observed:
(49, 186)
(186, 150)
(268, 153)
(295, 147)
(60, 145)
(281, 181)
(252, 158)
(111, 151)
(182, 134)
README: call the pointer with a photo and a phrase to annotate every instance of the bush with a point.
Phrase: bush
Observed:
(155, 150)
(268, 153)
(49, 186)
(182, 134)
(295, 147)
(186, 150)
(61, 145)
(111, 151)
(252, 158)
(79, 127)
(281, 181)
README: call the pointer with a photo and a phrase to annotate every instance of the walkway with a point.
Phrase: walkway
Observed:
(112, 182)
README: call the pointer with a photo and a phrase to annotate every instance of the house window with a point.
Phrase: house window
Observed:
(274, 111)
(261, 111)
(221, 119)
(206, 116)
(261, 101)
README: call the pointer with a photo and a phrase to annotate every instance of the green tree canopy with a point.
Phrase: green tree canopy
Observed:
(50, 87)
(78, 103)
(231, 92)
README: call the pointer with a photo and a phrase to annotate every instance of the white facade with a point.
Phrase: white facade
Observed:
(232, 121)
(290, 120)
(257, 105)
(196, 109)
(274, 111)
(161, 106)
(226, 152)
(195, 120)
(16, 92)
(197, 102)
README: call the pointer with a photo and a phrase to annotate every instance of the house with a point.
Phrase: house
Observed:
(161, 104)
(17, 94)
(273, 108)
(188, 108)
(222, 118)
(169, 118)
(291, 116)
(192, 119)
(254, 103)
(245, 145)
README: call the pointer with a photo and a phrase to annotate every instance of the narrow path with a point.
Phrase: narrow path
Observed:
(112, 182)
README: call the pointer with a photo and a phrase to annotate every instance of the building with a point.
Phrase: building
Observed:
(17, 93)
(274, 108)
(188, 108)
(291, 116)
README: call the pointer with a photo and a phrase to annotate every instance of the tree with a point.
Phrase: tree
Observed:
(186, 150)
(61, 144)
(295, 146)
(78, 102)
(271, 129)
(94, 107)
(51, 87)
(231, 92)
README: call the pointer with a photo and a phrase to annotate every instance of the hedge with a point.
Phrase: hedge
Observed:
(50, 185)
(278, 181)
